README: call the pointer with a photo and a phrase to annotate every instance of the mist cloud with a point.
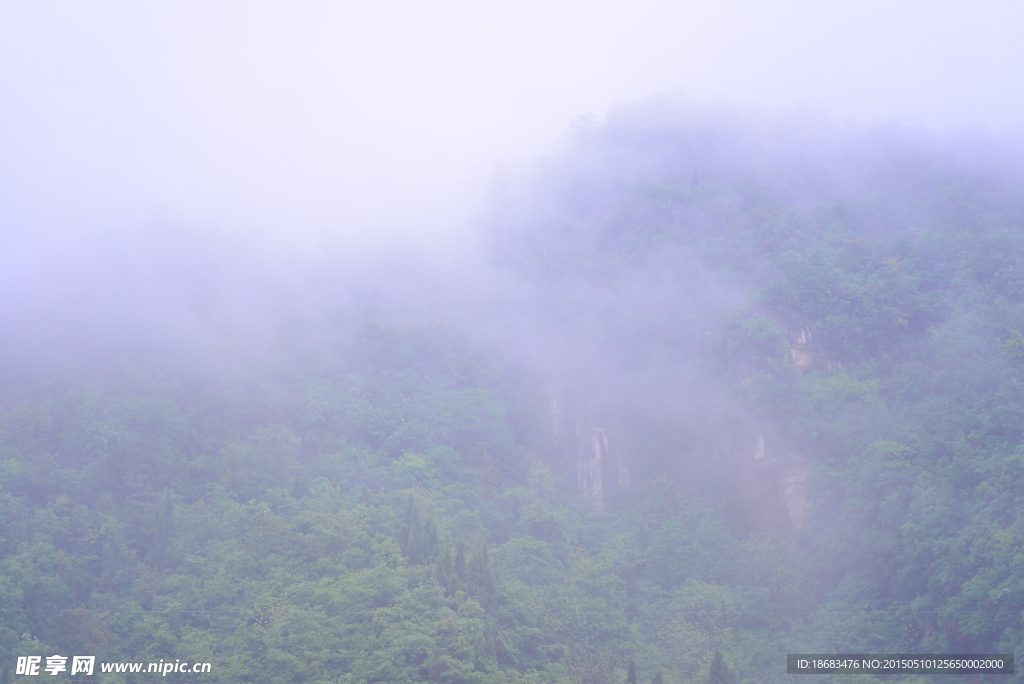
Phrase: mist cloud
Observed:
(370, 116)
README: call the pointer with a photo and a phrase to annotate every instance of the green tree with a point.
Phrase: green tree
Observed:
(720, 672)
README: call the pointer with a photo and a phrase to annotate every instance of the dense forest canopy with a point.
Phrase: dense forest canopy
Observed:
(723, 388)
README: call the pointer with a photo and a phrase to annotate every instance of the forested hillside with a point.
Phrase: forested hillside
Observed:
(800, 367)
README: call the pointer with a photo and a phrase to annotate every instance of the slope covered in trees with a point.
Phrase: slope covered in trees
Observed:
(808, 357)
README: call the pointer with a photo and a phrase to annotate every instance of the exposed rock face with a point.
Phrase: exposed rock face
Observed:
(792, 480)
(749, 466)
(800, 349)
(784, 472)
(583, 445)
(806, 354)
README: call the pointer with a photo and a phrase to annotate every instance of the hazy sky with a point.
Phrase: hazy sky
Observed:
(356, 116)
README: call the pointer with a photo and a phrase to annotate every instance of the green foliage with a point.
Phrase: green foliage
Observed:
(720, 672)
(389, 511)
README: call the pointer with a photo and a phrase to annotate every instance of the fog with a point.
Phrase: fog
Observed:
(183, 163)
(310, 117)
(704, 318)
(210, 187)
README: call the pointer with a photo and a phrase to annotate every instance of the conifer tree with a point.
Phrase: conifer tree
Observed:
(444, 570)
(481, 652)
(480, 579)
(459, 565)
(430, 538)
(417, 537)
(409, 530)
(720, 672)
